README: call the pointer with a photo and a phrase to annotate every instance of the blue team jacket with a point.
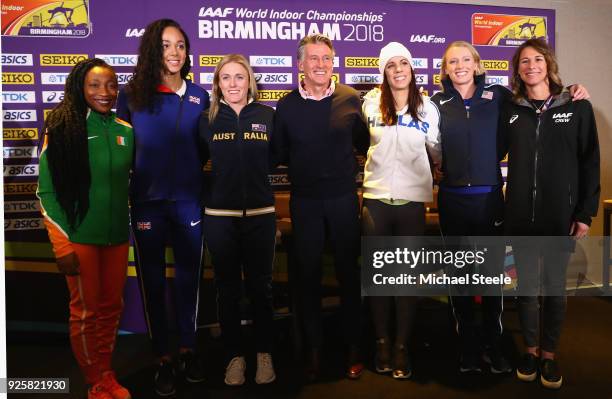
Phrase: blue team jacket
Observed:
(167, 161)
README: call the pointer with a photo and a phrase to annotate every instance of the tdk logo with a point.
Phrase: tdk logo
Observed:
(119, 59)
(17, 60)
(497, 80)
(123, 77)
(274, 78)
(20, 152)
(426, 39)
(134, 32)
(58, 78)
(270, 61)
(562, 117)
(419, 63)
(362, 78)
(19, 115)
(18, 97)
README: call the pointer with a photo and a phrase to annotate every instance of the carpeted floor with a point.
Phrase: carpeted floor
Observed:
(585, 357)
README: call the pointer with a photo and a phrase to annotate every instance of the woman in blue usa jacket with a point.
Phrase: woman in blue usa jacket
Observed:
(165, 191)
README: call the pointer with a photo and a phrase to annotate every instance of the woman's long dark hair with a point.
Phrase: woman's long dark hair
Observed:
(67, 151)
(387, 103)
(142, 86)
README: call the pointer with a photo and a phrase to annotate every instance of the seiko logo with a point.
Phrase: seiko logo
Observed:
(562, 117)
(361, 62)
(270, 61)
(335, 77)
(426, 39)
(272, 95)
(17, 78)
(61, 59)
(134, 32)
(20, 133)
(119, 59)
(18, 97)
(210, 60)
(53, 78)
(52, 96)
(495, 65)
(17, 60)
(362, 78)
(21, 115)
(274, 78)
(20, 188)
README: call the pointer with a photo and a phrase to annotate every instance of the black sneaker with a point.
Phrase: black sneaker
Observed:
(527, 369)
(165, 379)
(402, 367)
(469, 363)
(191, 367)
(382, 362)
(496, 361)
(550, 375)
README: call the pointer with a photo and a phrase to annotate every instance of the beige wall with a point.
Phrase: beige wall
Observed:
(584, 52)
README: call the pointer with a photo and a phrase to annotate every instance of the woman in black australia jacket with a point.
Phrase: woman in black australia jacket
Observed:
(239, 218)
(552, 190)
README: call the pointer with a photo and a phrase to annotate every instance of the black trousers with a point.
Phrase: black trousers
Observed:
(475, 215)
(314, 220)
(243, 245)
(380, 219)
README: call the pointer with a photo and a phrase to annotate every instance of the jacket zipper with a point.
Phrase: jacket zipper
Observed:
(242, 166)
(535, 173)
(176, 134)
(110, 179)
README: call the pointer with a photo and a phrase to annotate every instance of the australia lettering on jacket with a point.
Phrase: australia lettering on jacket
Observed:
(402, 120)
(223, 136)
(255, 136)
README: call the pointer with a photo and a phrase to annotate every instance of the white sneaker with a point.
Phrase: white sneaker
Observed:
(265, 369)
(234, 373)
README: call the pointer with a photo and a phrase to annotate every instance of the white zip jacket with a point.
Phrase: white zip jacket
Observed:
(397, 166)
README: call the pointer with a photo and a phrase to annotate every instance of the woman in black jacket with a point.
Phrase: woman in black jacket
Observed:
(240, 223)
(552, 190)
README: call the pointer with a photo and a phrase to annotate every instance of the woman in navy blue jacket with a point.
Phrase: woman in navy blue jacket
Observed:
(239, 218)
(165, 191)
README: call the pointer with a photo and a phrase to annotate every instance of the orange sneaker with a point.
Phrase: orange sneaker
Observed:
(110, 385)
(98, 392)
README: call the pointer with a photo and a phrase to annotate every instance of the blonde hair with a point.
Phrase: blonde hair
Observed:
(460, 43)
(217, 95)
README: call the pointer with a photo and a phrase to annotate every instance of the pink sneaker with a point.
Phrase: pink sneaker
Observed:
(110, 385)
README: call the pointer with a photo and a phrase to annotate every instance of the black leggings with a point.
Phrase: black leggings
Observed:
(380, 219)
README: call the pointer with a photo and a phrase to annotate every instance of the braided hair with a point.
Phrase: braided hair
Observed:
(67, 151)
(142, 87)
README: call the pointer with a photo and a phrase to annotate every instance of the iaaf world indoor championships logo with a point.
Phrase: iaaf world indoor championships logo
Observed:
(46, 18)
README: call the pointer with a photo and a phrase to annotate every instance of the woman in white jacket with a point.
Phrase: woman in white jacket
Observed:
(397, 182)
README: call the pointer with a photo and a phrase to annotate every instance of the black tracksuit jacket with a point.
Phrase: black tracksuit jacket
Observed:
(553, 166)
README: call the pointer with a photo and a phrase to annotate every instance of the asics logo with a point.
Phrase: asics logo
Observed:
(442, 102)
(513, 118)
(195, 223)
